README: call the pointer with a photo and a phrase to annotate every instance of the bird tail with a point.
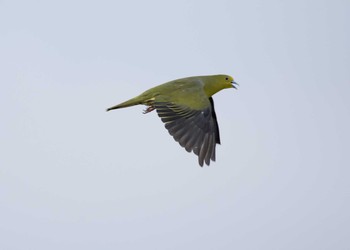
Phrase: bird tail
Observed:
(128, 103)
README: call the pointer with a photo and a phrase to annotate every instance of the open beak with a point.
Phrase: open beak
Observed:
(233, 84)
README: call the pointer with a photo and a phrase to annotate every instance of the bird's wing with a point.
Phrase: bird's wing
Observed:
(195, 129)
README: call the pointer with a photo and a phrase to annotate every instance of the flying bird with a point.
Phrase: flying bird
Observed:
(186, 107)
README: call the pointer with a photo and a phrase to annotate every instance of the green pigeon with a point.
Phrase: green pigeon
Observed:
(186, 107)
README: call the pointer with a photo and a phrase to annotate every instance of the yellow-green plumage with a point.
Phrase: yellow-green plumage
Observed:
(187, 109)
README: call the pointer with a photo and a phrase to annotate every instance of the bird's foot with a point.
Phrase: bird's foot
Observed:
(149, 109)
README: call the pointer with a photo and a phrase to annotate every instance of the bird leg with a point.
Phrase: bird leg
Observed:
(149, 109)
(150, 104)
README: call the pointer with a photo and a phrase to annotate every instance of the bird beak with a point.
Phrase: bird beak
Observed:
(233, 84)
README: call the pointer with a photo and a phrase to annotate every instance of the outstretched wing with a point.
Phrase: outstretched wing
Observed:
(195, 130)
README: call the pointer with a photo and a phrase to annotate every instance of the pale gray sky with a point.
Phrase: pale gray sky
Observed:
(75, 177)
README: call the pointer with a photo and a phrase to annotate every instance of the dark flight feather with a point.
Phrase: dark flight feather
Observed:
(195, 130)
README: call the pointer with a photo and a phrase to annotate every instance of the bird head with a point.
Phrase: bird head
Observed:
(215, 83)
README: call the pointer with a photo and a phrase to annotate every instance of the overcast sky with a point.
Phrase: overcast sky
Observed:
(75, 177)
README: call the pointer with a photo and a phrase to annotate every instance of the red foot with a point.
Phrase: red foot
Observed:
(149, 109)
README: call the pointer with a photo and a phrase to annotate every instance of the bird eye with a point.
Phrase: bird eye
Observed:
(226, 78)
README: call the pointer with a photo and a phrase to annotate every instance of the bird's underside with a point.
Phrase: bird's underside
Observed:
(195, 130)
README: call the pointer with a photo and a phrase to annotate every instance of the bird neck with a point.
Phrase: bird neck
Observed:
(212, 87)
